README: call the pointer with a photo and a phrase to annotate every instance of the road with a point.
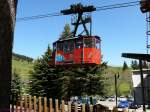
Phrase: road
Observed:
(112, 104)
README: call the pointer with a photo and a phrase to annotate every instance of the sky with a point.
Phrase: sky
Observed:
(121, 30)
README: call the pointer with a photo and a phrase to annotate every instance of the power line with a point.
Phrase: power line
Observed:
(114, 6)
(38, 17)
(120, 4)
(101, 8)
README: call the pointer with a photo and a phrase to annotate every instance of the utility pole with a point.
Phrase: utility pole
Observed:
(142, 85)
(7, 23)
(116, 77)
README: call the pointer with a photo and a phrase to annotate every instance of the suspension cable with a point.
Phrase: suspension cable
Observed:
(121, 5)
(38, 17)
(101, 8)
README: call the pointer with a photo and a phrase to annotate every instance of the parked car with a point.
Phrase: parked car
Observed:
(123, 104)
(112, 99)
(122, 98)
(87, 101)
(134, 105)
(102, 99)
(130, 99)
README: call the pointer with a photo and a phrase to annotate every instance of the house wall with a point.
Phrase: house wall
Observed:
(136, 78)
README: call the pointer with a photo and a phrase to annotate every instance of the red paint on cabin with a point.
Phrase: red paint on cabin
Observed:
(82, 50)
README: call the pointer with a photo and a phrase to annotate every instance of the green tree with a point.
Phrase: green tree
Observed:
(16, 85)
(134, 64)
(125, 66)
(144, 64)
(66, 32)
(59, 82)
(84, 81)
(68, 79)
(123, 89)
(44, 78)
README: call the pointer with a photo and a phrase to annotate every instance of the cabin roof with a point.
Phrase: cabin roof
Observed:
(145, 57)
(80, 37)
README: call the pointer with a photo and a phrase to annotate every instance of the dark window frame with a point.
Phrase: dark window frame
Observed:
(68, 46)
(89, 42)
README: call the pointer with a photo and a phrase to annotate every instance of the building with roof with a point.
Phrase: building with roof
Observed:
(136, 78)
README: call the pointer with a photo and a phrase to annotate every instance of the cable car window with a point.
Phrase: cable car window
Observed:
(60, 46)
(71, 46)
(54, 47)
(68, 46)
(89, 43)
(65, 48)
(79, 44)
(97, 44)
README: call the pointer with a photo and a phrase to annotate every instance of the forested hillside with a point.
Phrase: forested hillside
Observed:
(124, 80)
(21, 57)
(24, 65)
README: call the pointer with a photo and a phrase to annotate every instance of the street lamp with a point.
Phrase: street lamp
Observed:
(116, 77)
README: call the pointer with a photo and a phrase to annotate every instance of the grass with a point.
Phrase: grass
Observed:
(124, 88)
(22, 67)
(124, 80)
(114, 70)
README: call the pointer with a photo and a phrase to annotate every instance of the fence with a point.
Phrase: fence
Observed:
(43, 104)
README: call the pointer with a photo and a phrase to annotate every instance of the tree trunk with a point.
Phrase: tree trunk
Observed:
(7, 22)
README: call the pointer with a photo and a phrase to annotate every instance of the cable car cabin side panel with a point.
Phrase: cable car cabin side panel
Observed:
(78, 54)
(59, 57)
(63, 52)
(92, 55)
(87, 55)
(91, 50)
(62, 58)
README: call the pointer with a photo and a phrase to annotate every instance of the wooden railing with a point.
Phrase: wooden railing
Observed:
(43, 104)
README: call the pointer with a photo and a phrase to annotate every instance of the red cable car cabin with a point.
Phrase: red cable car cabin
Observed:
(76, 51)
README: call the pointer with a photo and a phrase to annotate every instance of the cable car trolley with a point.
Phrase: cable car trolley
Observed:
(78, 49)
(145, 6)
